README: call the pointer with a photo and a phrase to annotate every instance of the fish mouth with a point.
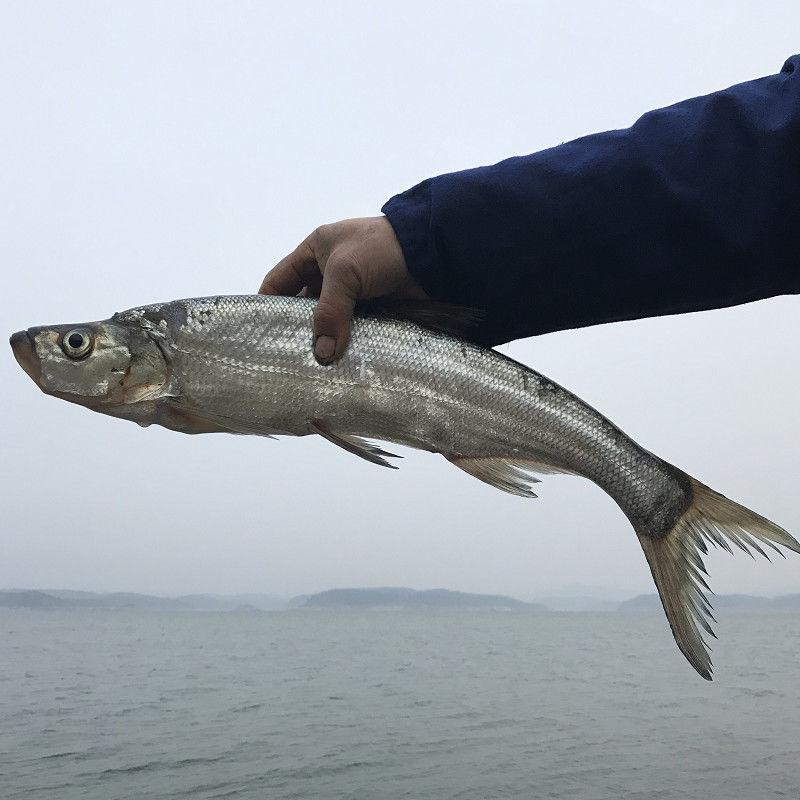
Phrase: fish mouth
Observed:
(25, 353)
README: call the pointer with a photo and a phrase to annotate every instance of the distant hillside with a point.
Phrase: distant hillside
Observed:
(233, 602)
(785, 602)
(401, 596)
(733, 602)
(581, 597)
(576, 603)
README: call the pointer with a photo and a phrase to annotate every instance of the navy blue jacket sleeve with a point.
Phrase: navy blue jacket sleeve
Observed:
(696, 206)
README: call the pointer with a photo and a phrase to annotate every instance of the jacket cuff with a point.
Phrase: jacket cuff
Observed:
(409, 213)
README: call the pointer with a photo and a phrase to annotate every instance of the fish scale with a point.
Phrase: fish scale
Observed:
(244, 364)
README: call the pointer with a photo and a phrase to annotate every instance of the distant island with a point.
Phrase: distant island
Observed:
(63, 598)
(382, 597)
(403, 597)
(364, 598)
(722, 602)
(30, 599)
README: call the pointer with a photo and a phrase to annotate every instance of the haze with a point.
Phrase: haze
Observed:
(152, 151)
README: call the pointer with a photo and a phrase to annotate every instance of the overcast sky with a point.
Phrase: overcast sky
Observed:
(151, 151)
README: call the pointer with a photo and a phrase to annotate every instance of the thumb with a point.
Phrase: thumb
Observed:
(333, 315)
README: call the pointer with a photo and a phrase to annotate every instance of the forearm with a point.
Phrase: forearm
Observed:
(696, 206)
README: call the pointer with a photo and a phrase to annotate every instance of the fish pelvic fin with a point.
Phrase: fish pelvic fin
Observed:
(676, 562)
(354, 444)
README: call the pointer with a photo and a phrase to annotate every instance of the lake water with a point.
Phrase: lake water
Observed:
(316, 704)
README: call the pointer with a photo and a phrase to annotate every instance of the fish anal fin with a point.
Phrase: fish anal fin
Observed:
(354, 444)
(511, 475)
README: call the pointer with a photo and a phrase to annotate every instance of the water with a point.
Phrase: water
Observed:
(318, 704)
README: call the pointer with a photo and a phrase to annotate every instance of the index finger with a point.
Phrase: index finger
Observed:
(292, 273)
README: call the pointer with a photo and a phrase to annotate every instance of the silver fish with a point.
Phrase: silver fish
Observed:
(244, 365)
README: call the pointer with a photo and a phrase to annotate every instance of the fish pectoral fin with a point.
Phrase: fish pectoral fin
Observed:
(354, 444)
(510, 475)
(188, 420)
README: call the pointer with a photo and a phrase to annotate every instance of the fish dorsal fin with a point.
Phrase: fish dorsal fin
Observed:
(453, 320)
(354, 444)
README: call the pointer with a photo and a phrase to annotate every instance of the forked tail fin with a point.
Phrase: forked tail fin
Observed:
(676, 561)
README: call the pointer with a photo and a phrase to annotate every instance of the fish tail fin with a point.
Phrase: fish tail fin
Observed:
(676, 562)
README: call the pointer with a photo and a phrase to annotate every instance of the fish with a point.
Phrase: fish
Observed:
(412, 375)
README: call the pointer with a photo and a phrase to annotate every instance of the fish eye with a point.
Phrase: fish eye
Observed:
(77, 343)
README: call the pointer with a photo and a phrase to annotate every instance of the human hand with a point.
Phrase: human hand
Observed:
(355, 259)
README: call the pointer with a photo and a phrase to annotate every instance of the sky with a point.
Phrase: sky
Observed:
(157, 150)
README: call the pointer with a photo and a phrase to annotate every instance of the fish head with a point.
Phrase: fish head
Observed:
(101, 365)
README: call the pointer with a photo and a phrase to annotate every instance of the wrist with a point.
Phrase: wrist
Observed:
(409, 215)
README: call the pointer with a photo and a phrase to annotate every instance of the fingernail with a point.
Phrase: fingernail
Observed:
(324, 348)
